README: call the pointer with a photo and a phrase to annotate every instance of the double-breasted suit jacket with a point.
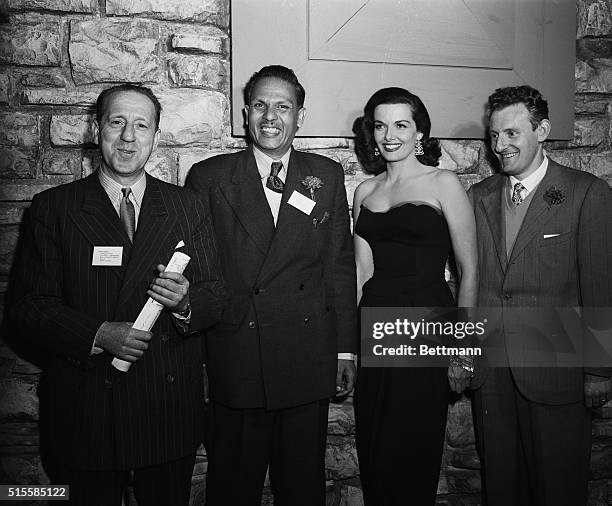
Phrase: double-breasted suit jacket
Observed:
(291, 287)
(93, 416)
(562, 257)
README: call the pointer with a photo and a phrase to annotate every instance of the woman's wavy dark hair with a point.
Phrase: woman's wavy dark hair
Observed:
(363, 128)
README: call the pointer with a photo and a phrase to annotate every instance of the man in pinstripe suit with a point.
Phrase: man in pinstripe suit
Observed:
(545, 242)
(93, 251)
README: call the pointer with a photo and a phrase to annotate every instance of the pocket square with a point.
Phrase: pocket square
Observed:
(548, 236)
(323, 219)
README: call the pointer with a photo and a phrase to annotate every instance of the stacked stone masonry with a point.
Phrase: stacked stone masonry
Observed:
(55, 58)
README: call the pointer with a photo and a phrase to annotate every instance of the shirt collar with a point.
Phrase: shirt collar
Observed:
(113, 188)
(533, 180)
(264, 162)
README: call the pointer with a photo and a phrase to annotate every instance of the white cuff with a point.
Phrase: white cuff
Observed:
(96, 350)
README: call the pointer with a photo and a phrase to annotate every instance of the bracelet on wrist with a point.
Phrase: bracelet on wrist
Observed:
(466, 363)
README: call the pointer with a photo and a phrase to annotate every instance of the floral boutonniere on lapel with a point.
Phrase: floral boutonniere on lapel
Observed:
(554, 196)
(312, 183)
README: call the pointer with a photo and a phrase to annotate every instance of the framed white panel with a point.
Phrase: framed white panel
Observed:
(453, 33)
(452, 53)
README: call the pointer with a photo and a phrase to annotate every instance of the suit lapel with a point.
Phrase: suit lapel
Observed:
(245, 194)
(492, 204)
(291, 220)
(153, 232)
(538, 213)
(291, 223)
(99, 223)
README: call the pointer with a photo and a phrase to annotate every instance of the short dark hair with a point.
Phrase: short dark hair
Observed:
(106, 95)
(511, 95)
(278, 72)
(363, 128)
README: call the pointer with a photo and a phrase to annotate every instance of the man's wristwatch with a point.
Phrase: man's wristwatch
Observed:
(185, 312)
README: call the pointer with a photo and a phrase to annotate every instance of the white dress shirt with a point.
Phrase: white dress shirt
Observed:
(532, 181)
(264, 166)
(113, 190)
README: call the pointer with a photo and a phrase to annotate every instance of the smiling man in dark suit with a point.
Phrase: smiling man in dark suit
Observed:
(91, 250)
(281, 218)
(545, 242)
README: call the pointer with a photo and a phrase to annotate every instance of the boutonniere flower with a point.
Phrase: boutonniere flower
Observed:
(312, 183)
(554, 196)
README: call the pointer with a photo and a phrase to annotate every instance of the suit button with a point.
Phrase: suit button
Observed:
(108, 383)
(507, 296)
(301, 286)
(256, 291)
(306, 320)
(251, 325)
(170, 378)
(165, 337)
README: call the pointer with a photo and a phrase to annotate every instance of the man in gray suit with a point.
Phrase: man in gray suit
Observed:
(545, 240)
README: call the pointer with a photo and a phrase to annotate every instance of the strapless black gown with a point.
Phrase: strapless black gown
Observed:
(401, 412)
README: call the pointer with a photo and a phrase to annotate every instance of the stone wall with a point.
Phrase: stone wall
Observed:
(57, 55)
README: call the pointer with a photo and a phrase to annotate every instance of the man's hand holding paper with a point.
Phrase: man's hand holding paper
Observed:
(122, 341)
(170, 289)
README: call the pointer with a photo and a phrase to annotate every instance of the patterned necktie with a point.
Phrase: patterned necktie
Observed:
(516, 194)
(274, 182)
(127, 214)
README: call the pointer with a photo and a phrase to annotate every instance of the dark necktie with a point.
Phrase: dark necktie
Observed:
(516, 194)
(274, 182)
(127, 214)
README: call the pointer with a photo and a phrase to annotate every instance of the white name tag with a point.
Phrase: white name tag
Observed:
(107, 256)
(301, 202)
(549, 236)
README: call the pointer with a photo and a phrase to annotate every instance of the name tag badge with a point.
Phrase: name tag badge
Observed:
(301, 202)
(107, 256)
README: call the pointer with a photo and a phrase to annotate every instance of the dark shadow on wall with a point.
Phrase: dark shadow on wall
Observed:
(13, 336)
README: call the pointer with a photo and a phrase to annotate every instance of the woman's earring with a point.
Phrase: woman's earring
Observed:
(376, 152)
(418, 148)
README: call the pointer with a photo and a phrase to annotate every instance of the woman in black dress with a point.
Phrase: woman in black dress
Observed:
(408, 219)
